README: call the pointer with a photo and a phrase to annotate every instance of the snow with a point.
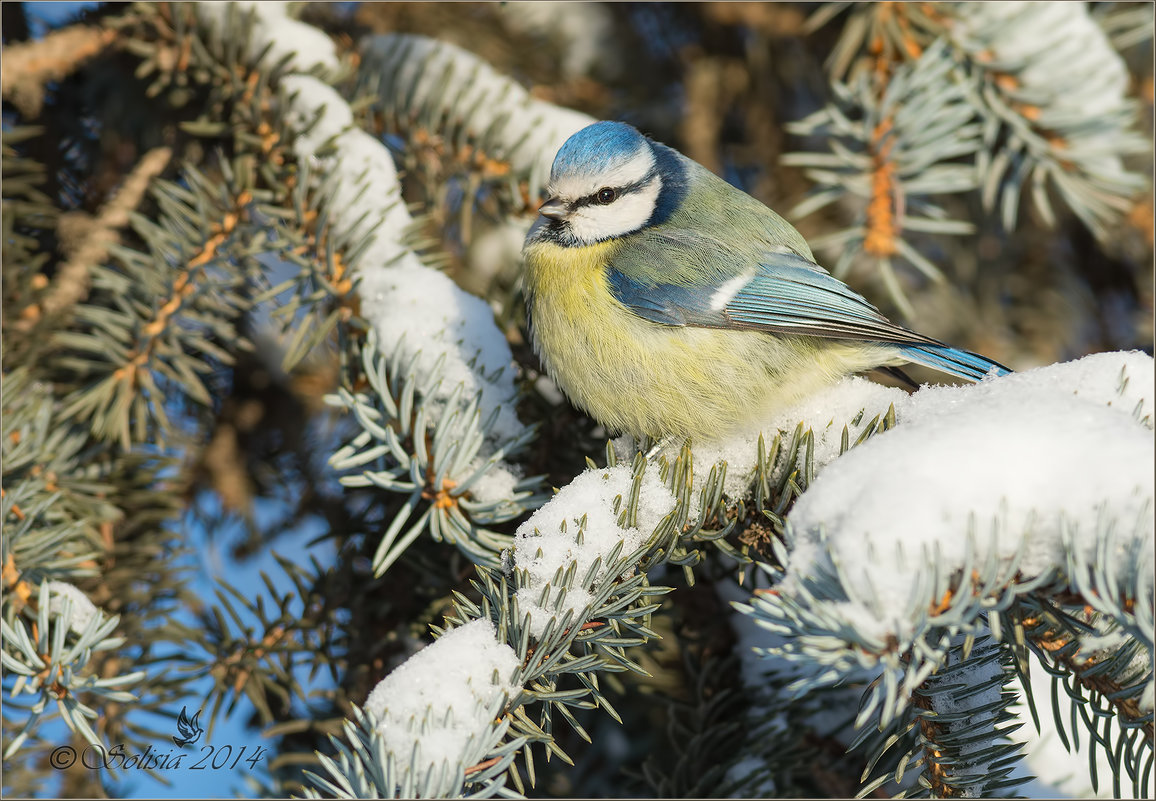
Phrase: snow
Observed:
(549, 540)
(444, 696)
(1096, 378)
(825, 414)
(431, 74)
(1073, 439)
(1122, 380)
(424, 312)
(496, 484)
(411, 306)
(366, 201)
(1015, 460)
(307, 47)
(310, 98)
(84, 611)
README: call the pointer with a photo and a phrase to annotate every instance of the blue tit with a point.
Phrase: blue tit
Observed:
(665, 302)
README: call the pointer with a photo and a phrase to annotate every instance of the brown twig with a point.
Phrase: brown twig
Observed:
(71, 284)
(232, 665)
(483, 765)
(13, 581)
(1056, 643)
(26, 67)
(183, 288)
(882, 225)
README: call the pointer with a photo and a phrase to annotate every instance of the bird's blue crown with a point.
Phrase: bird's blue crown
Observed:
(597, 148)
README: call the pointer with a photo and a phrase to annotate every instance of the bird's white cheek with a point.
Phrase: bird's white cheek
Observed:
(627, 214)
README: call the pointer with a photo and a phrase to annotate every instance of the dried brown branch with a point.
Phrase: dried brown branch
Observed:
(95, 236)
(26, 67)
(19, 590)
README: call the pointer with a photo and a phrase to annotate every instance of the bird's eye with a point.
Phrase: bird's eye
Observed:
(606, 195)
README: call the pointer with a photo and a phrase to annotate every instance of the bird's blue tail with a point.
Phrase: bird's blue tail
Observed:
(953, 361)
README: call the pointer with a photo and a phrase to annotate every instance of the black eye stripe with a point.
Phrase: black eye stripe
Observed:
(620, 191)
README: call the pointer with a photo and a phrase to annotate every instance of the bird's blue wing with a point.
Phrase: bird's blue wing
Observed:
(668, 304)
(791, 295)
(784, 294)
(788, 294)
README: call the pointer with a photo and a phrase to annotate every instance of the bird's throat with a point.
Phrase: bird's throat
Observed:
(568, 275)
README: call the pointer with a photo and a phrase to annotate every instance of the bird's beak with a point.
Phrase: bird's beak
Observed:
(553, 208)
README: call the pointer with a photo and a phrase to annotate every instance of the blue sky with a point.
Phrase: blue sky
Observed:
(42, 16)
(215, 566)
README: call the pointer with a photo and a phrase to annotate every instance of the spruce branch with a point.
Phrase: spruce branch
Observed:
(573, 597)
(1105, 672)
(56, 517)
(321, 295)
(441, 466)
(587, 619)
(442, 321)
(964, 722)
(705, 733)
(184, 302)
(50, 657)
(269, 39)
(1061, 131)
(1045, 84)
(895, 139)
(234, 49)
(468, 412)
(1013, 581)
(1127, 25)
(238, 51)
(28, 214)
(877, 36)
(255, 662)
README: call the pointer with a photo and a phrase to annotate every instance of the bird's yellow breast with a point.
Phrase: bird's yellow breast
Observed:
(640, 377)
(562, 275)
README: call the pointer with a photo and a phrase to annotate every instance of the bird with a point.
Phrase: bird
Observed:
(665, 302)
